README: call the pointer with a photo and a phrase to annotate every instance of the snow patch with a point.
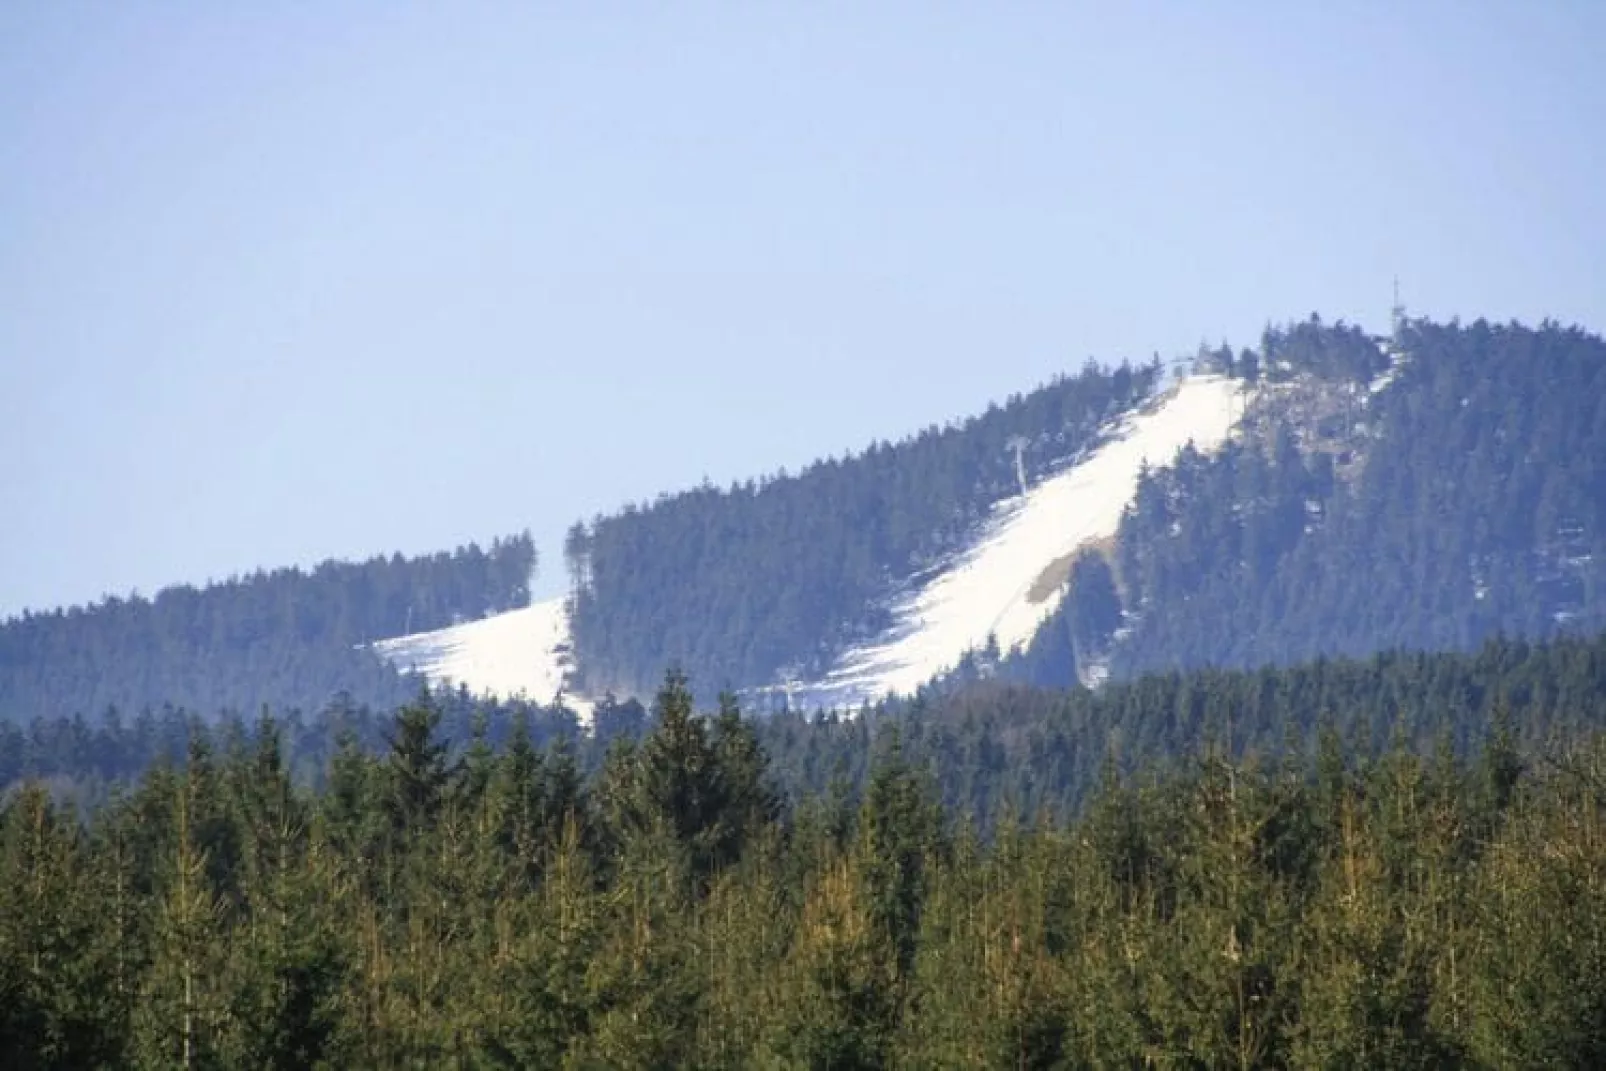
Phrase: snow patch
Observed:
(1094, 673)
(986, 590)
(1396, 359)
(520, 654)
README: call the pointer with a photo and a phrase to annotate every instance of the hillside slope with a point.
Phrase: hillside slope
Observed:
(520, 654)
(772, 580)
(1459, 495)
(1000, 590)
(287, 638)
(1327, 492)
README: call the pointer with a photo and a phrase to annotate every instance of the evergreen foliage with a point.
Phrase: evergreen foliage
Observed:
(1430, 490)
(773, 578)
(1465, 499)
(287, 638)
(475, 902)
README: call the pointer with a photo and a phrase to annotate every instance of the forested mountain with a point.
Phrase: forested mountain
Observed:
(1348, 494)
(288, 638)
(1458, 496)
(1425, 490)
(480, 902)
(772, 578)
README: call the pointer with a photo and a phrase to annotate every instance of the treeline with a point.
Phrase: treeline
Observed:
(286, 638)
(1431, 490)
(480, 906)
(771, 579)
(86, 761)
(1467, 499)
(996, 748)
(992, 747)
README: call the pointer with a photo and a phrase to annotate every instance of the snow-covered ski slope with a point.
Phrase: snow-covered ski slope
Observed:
(518, 654)
(1003, 586)
(989, 589)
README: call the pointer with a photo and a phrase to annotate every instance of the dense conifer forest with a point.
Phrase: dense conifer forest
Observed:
(1428, 490)
(1129, 668)
(1337, 858)
(773, 578)
(1431, 489)
(1399, 862)
(1466, 499)
(288, 638)
(991, 746)
(1445, 488)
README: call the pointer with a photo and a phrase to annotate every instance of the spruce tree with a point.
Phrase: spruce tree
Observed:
(417, 767)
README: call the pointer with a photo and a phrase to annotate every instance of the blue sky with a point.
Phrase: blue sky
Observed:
(285, 282)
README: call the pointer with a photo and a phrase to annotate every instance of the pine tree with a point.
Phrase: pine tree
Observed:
(748, 802)
(179, 1013)
(417, 768)
(549, 1005)
(288, 966)
(899, 825)
(641, 987)
(674, 785)
(57, 1002)
(744, 928)
(842, 996)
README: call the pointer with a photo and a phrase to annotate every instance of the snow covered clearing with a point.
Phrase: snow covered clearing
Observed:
(1002, 587)
(987, 590)
(518, 654)
(1396, 359)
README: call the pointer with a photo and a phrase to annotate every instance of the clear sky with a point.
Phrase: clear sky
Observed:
(281, 282)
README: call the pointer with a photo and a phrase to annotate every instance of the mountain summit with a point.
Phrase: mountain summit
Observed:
(1325, 492)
